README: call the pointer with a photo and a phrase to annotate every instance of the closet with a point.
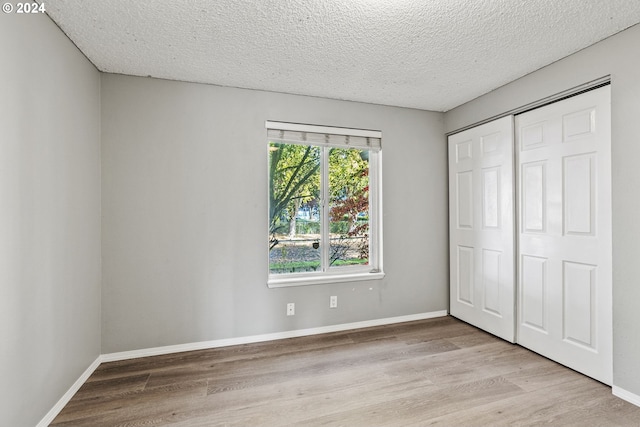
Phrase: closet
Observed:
(530, 230)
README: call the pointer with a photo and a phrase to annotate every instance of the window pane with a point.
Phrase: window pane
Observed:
(294, 208)
(348, 207)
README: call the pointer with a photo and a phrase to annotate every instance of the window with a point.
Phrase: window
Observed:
(324, 204)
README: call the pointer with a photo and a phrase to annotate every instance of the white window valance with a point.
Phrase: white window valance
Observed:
(324, 135)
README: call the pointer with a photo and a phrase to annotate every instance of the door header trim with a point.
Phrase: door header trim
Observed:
(577, 90)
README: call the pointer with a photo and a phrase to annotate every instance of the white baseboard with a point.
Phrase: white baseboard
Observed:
(48, 419)
(156, 351)
(626, 395)
(203, 345)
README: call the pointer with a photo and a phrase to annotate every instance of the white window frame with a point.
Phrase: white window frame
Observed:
(372, 271)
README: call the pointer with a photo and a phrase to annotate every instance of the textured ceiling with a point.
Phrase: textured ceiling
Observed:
(427, 54)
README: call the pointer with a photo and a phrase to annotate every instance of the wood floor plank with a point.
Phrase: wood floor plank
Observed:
(129, 407)
(545, 406)
(295, 400)
(440, 372)
(120, 385)
(418, 406)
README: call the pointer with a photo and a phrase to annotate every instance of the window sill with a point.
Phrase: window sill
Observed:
(284, 282)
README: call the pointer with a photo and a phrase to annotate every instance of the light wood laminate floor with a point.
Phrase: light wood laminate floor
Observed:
(439, 372)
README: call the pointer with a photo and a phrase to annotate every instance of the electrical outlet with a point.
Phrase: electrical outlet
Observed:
(333, 301)
(291, 309)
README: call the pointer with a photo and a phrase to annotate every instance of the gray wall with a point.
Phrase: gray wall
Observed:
(49, 217)
(185, 214)
(618, 56)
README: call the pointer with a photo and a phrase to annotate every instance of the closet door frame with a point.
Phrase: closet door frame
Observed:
(517, 219)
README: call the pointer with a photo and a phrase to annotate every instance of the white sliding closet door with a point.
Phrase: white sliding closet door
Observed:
(481, 227)
(564, 262)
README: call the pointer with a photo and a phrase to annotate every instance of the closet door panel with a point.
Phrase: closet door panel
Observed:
(564, 199)
(482, 227)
